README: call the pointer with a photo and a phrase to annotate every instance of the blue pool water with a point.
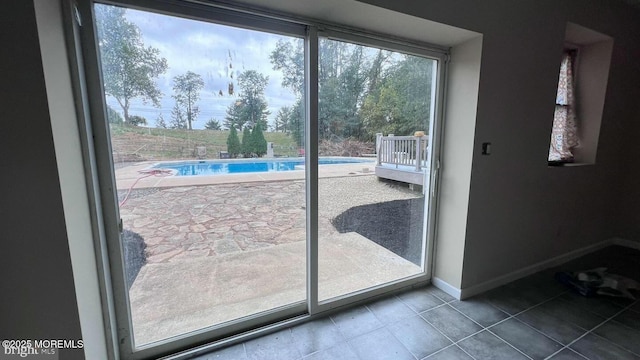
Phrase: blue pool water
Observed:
(221, 167)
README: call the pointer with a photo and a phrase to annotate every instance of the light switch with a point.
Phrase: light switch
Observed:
(486, 148)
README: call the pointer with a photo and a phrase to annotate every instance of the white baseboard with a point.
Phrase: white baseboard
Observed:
(446, 287)
(528, 270)
(626, 243)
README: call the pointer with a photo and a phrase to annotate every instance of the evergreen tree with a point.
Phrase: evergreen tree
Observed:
(233, 143)
(282, 119)
(258, 142)
(212, 124)
(251, 107)
(296, 123)
(247, 148)
(186, 90)
(160, 123)
(178, 120)
(233, 118)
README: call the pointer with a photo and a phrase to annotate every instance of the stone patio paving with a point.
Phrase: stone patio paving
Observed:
(219, 252)
(204, 221)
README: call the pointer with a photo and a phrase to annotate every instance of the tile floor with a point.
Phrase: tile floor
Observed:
(532, 318)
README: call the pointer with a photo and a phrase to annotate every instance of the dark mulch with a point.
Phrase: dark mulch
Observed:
(395, 225)
(134, 256)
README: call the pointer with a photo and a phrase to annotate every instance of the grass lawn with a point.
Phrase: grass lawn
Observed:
(135, 143)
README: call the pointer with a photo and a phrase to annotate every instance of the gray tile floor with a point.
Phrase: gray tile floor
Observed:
(532, 318)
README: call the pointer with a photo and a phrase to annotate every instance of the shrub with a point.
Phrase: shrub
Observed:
(233, 143)
(258, 142)
(247, 147)
(136, 120)
(113, 116)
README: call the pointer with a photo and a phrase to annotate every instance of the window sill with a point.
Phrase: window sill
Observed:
(572, 164)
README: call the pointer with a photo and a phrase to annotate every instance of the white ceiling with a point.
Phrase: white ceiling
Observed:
(363, 16)
(633, 2)
(579, 35)
(368, 17)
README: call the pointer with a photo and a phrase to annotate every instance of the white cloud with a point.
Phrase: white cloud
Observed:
(207, 49)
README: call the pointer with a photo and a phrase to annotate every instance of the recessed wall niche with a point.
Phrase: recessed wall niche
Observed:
(591, 73)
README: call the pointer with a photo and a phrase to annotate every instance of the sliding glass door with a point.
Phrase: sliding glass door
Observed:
(205, 146)
(253, 169)
(374, 104)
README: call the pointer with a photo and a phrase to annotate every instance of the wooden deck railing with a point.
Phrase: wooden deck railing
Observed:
(402, 150)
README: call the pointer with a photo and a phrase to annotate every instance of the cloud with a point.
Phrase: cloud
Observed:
(218, 53)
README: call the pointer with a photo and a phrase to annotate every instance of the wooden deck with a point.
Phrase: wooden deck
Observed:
(402, 158)
(402, 173)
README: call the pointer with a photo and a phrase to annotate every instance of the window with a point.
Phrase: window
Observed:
(238, 182)
(564, 136)
(580, 96)
(205, 242)
(366, 91)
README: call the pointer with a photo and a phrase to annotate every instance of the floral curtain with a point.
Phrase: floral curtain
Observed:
(564, 136)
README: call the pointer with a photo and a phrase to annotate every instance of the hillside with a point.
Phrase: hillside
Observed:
(133, 143)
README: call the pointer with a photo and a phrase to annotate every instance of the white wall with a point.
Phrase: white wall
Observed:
(521, 212)
(458, 139)
(627, 219)
(37, 285)
(69, 160)
(626, 117)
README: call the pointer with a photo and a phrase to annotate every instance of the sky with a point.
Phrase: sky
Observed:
(207, 49)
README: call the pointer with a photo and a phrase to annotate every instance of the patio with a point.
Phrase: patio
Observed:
(222, 251)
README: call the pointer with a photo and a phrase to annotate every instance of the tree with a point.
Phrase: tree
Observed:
(288, 57)
(247, 147)
(343, 73)
(160, 123)
(251, 107)
(212, 124)
(113, 117)
(297, 123)
(178, 120)
(361, 90)
(282, 119)
(401, 104)
(136, 120)
(128, 67)
(233, 143)
(233, 118)
(258, 142)
(186, 90)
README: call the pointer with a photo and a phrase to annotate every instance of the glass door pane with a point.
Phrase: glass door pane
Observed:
(205, 129)
(375, 109)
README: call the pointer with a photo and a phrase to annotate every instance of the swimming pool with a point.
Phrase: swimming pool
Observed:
(222, 167)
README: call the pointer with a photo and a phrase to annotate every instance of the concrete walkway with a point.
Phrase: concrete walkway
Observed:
(219, 252)
(126, 176)
(173, 298)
